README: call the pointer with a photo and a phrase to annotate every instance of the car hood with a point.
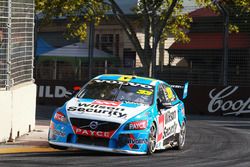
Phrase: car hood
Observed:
(112, 111)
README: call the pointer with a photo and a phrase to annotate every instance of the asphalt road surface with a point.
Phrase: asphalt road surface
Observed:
(211, 141)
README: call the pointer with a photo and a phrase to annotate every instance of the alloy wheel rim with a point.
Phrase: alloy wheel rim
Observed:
(182, 134)
(152, 138)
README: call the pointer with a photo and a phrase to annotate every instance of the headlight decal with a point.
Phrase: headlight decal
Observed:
(59, 116)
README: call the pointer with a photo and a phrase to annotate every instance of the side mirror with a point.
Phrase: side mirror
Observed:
(69, 94)
(73, 92)
(166, 104)
(161, 105)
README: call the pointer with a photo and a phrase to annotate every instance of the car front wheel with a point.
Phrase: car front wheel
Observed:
(152, 140)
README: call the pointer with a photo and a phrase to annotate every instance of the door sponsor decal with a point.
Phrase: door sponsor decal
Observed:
(161, 128)
(170, 124)
(166, 125)
(169, 130)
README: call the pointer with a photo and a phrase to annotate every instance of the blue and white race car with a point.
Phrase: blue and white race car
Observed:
(122, 114)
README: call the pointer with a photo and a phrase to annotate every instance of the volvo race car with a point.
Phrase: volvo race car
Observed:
(121, 114)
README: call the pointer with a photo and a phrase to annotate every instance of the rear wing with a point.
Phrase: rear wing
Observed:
(185, 89)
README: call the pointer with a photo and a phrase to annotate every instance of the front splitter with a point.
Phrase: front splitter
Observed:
(96, 148)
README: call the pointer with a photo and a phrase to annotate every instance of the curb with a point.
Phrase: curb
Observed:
(16, 150)
(33, 142)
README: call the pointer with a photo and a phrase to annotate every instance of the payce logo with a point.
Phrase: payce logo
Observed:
(218, 102)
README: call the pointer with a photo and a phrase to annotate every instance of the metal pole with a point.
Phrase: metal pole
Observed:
(80, 69)
(34, 46)
(225, 14)
(133, 67)
(8, 59)
(154, 45)
(8, 55)
(106, 67)
(225, 43)
(55, 70)
(91, 46)
(154, 54)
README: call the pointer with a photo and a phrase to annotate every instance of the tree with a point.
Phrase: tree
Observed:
(158, 17)
(238, 10)
(77, 12)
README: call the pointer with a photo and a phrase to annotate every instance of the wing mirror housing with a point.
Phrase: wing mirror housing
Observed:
(166, 104)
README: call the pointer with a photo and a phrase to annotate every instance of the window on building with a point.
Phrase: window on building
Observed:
(129, 58)
(108, 43)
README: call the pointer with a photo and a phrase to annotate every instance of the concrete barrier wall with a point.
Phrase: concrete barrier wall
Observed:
(218, 100)
(5, 115)
(17, 112)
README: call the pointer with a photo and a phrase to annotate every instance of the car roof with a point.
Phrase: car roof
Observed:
(129, 78)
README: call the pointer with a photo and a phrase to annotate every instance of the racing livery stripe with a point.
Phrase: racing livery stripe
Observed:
(142, 80)
(132, 105)
(125, 78)
(109, 77)
(86, 100)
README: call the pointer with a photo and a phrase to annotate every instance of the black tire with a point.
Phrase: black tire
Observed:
(181, 137)
(152, 140)
(58, 147)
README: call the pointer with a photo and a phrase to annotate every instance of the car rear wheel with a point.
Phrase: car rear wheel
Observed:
(181, 137)
(152, 140)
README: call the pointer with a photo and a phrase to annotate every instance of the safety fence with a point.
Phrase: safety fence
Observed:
(16, 42)
(212, 57)
(200, 61)
(61, 71)
(3, 42)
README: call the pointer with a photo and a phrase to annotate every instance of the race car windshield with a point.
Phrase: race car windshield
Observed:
(118, 91)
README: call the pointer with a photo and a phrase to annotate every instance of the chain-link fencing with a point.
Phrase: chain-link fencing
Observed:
(16, 42)
(200, 61)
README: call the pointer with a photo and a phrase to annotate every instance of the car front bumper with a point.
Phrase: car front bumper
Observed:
(96, 148)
